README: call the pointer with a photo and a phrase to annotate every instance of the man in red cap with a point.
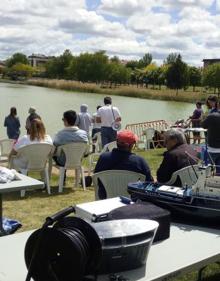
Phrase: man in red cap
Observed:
(122, 158)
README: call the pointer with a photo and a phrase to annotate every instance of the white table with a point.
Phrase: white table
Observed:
(23, 183)
(188, 248)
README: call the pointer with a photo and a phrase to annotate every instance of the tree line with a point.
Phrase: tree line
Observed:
(98, 68)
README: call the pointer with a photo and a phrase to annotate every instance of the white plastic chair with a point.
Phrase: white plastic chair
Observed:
(36, 156)
(115, 182)
(94, 156)
(187, 175)
(5, 149)
(74, 153)
(149, 134)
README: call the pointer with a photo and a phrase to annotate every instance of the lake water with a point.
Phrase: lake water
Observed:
(51, 104)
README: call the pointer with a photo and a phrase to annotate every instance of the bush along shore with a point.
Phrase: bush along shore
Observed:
(122, 90)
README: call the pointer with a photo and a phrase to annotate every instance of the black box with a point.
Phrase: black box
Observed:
(145, 210)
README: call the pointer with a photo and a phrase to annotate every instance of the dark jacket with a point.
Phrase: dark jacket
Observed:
(13, 127)
(212, 123)
(174, 160)
(121, 160)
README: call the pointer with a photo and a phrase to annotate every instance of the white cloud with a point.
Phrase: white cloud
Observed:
(137, 27)
(124, 7)
(88, 22)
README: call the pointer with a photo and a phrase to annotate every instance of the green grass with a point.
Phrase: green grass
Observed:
(37, 205)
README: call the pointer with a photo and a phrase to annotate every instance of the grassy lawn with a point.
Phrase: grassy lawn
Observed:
(37, 205)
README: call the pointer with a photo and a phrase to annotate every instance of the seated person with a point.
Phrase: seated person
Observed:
(121, 158)
(178, 155)
(69, 134)
(36, 134)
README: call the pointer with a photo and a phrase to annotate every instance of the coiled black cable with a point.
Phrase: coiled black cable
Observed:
(68, 251)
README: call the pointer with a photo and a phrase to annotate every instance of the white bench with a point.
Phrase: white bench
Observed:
(188, 248)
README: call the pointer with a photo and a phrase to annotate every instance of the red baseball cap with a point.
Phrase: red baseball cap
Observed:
(127, 137)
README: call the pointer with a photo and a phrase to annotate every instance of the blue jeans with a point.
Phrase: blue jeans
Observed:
(215, 157)
(108, 135)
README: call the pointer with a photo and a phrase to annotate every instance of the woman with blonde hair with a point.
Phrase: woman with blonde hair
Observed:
(37, 134)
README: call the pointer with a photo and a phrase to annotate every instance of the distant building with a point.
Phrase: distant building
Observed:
(38, 59)
(207, 62)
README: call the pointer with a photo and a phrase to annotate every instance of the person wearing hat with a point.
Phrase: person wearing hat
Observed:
(84, 119)
(122, 158)
(32, 115)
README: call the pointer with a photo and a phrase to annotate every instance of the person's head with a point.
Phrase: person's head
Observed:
(97, 108)
(126, 140)
(199, 104)
(84, 108)
(69, 118)
(13, 111)
(37, 130)
(212, 101)
(174, 138)
(107, 100)
(32, 110)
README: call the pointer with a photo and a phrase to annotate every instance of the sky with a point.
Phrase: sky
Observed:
(125, 28)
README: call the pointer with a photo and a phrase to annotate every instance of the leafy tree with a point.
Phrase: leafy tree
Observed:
(132, 64)
(211, 76)
(99, 62)
(177, 74)
(72, 69)
(171, 58)
(151, 74)
(84, 67)
(145, 61)
(195, 76)
(115, 59)
(17, 58)
(117, 73)
(161, 75)
(138, 75)
(20, 70)
(58, 67)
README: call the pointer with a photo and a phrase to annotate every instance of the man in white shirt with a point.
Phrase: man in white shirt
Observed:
(107, 115)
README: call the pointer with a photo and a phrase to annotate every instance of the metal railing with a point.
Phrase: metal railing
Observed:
(138, 128)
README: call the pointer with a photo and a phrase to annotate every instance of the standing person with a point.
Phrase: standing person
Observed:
(96, 126)
(84, 120)
(212, 124)
(107, 115)
(32, 115)
(12, 123)
(196, 121)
